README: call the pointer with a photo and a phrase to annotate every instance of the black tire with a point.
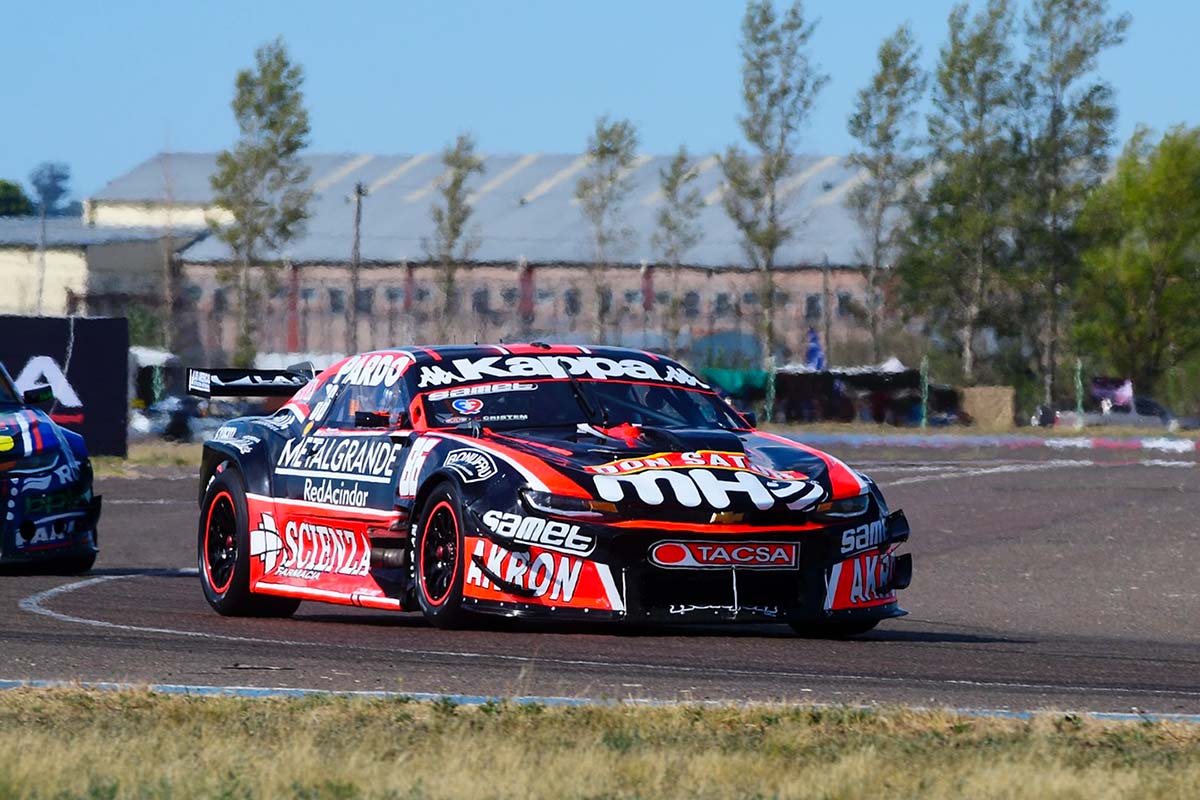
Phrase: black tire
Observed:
(438, 559)
(834, 630)
(223, 553)
(75, 565)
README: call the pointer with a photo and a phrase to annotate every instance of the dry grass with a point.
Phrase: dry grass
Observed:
(149, 453)
(75, 743)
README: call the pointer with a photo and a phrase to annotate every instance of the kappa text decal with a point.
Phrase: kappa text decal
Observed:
(474, 370)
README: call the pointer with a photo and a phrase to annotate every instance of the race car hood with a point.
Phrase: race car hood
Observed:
(606, 462)
(27, 438)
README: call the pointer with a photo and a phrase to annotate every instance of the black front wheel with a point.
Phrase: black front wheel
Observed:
(438, 558)
(75, 565)
(223, 552)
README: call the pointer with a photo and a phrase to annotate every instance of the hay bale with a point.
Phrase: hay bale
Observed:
(991, 407)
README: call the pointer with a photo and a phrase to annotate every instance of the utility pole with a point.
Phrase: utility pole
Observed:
(360, 191)
(827, 311)
(41, 258)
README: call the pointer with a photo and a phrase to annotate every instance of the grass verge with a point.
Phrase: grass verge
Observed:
(63, 743)
(151, 453)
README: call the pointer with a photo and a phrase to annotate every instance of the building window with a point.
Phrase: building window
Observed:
(364, 300)
(279, 291)
(812, 307)
(781, 298)
(571, 300)
(606, 296)
(308, 294)
(422, 294)
(691, 305)
(481, 300)
(220, 300)
(395, 294)
(545, 295)
(337, 301)
(724, 305)
(633, 296)
(845, 304)
(510, 296)
(662, 298)
(750, 298)
(191, 295)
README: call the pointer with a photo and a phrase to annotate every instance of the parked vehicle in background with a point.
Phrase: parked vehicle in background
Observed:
(1145, 412)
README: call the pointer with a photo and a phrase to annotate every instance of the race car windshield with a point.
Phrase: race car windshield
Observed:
(550, 403)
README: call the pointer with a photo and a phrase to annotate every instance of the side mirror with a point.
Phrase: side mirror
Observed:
(751, 418)
(38, 394)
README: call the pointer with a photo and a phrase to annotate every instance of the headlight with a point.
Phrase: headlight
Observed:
(842, 509)
(559, 506)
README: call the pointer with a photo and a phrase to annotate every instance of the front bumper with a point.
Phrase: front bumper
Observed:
(840, 573)
(49, 536)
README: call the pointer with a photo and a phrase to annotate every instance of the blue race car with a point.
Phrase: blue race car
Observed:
(49, 513)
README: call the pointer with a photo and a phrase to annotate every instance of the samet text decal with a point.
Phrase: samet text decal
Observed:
(472, 370)
(715, 459)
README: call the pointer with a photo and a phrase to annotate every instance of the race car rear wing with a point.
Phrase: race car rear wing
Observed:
(233, 382)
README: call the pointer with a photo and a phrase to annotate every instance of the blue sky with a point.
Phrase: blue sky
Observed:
(103, 86)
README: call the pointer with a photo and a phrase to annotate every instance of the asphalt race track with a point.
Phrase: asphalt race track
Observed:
(1041, 581)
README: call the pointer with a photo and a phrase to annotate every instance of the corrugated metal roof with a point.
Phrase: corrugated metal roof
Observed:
(523, 207)
(72, 232)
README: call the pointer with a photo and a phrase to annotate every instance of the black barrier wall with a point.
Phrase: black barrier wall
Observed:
(85, 360)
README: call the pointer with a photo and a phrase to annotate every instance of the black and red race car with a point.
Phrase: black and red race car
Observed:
(543, 481)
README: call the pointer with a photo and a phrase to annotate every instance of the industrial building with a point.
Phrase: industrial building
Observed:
(532, 273)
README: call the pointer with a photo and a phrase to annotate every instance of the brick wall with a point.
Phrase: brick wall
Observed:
(401, 305)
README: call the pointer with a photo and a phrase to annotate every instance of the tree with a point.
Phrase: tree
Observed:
(261, 182)
(780, 83)
(882, 116)
(1140, 285)
(1066, 126)
(601, 192)
(677, 231)
(13, 201)
(49, 181)
(959, 242)
(452, 243)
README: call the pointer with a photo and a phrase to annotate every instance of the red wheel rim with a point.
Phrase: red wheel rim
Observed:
(220, 542)
(438, 564)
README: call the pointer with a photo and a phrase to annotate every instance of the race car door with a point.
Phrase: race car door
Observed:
(354, 454)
